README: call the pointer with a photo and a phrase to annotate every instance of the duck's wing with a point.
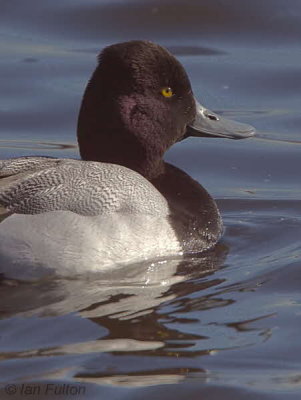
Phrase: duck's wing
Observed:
(34, 185)
(15, 166)
(15, 170)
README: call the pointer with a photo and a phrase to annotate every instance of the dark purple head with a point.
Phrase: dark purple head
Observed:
(137, 104)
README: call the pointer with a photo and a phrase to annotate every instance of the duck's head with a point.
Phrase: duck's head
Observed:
(138, 103)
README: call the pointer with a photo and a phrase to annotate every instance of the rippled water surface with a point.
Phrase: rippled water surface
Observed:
(225, 325)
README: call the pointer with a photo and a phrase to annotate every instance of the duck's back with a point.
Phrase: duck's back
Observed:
(33, 185)
(74, 216)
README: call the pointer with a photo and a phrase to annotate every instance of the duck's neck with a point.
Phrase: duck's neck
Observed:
(105, 143)
(107, 132)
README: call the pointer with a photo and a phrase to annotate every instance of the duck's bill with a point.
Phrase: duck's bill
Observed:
(209, 124)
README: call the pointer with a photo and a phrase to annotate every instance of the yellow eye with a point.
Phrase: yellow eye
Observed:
(167, 92)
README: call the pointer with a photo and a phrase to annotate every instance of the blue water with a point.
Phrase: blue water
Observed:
(225, 325)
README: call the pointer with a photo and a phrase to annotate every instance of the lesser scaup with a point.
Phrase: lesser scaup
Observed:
(121, 203)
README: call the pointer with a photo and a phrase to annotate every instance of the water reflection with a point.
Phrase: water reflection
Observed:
(35, 145)
(131, 320)
(123, 293)
(126, 304)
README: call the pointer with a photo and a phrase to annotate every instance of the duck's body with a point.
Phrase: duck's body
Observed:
(67, 244)
(123, 203)
(73, 216)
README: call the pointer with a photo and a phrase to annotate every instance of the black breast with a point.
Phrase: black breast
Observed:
(193, 212)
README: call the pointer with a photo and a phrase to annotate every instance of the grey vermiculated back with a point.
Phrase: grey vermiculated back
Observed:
(36, 184)
(18, 165)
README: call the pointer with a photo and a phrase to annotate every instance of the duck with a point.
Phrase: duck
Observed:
(121, 203)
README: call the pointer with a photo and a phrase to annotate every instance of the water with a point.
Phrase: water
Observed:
(224, 325)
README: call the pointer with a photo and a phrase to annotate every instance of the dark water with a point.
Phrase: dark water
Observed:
(222, 326)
